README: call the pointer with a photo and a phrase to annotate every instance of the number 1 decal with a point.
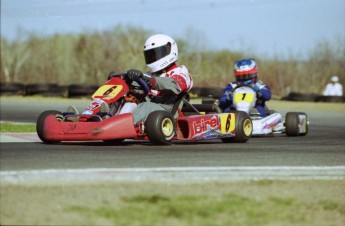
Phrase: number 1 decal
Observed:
(246, 97)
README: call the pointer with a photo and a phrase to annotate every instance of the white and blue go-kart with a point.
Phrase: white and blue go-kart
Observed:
(293, 124)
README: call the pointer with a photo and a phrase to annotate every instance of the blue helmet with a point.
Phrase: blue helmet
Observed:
(245, 71)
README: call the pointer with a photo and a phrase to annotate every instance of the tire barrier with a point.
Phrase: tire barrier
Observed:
(48, 90)
(195, 91)
(311, 97)
(331, 99)
(294, 96)
(213, 92)
(12, 88)
(209, 100)
(78, 90)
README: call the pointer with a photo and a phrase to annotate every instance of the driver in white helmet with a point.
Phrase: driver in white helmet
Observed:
(165, 79)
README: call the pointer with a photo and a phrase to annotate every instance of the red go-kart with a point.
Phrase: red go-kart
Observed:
(186, 121)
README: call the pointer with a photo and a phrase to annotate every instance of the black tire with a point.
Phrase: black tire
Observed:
(294, 96)
(12, 88)
(40, 125)
(43, 89)
(330, 99)
(215, 92)
(208, 100)
(195, 91)
(292, 124)
(76, 90)
(243, 128)
(160, 127)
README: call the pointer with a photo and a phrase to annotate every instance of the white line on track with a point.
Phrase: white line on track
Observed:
(181, 174)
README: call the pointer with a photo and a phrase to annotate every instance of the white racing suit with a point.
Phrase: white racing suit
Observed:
(163, 92)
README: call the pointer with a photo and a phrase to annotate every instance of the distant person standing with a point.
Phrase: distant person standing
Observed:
(334, 88)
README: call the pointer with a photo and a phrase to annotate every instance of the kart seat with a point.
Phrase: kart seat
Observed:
(182, 102)
(181, 99)
(270, 111)
(254, 113)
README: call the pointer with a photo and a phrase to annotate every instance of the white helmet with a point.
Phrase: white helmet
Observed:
(335, 78)
(160, 51)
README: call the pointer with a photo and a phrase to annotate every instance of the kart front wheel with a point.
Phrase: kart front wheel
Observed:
(243, 128)
(160, 127)
(40, 125)
(296, 124)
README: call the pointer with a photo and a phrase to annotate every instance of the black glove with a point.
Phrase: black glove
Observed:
(134, 75)
(111, 74)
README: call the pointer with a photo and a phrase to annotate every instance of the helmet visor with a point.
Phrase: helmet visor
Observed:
(152, 55)
(245, 77)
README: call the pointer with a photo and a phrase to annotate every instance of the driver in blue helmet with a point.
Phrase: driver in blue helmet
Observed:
(246, 73)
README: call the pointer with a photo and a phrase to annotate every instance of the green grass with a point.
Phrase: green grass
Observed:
(231, 209)
(228, 209)
(262, 202)
(6, 127)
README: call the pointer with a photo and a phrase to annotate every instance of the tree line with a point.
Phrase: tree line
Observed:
(87, 58)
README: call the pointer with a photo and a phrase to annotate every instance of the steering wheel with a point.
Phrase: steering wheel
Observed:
(144, 87)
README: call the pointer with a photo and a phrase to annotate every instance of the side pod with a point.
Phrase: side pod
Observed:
(117, 127)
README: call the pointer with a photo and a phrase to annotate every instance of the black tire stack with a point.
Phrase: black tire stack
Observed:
(311, 97)
(47, 90)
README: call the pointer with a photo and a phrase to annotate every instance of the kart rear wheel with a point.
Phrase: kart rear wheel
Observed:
(160, 127)
(305, 125)
(294, 124)
(243, 128)
(40, 125)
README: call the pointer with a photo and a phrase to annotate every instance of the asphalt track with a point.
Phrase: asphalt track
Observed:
(324, 146)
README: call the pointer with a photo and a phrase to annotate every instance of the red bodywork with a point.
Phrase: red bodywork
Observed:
(112, 90)
(210, 126)
(193, 127)
(117, 127)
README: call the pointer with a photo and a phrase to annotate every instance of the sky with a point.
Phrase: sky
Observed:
(270, 28)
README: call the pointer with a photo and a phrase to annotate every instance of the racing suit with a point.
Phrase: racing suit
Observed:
(163, 91)
(263, 95)
(333, 89)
